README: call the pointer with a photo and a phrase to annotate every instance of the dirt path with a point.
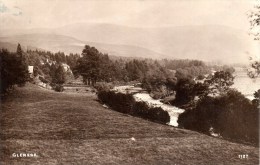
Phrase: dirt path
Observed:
(75, 129)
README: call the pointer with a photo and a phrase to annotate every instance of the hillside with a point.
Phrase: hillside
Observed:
(51, 42)
(208, 42)
(75, 128)
(55, 43)
(13, 46)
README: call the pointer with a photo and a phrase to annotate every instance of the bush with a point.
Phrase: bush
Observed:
(125, 103)
(102, 86)
(142, 110)
(200, 77)
(231, 115)
(117, 101)
(58, 88)
(198, 118)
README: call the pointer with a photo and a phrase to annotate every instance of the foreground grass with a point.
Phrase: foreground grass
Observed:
(66, 128)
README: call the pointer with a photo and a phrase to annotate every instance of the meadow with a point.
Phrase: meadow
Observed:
(74, 128)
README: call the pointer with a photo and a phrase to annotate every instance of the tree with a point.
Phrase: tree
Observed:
(19, 51)
(88, 66)
(184, 92)
(93, 66)
(256, 100)
(231, 115)
(7, 70)
(255, 69)
(201, 89)
(59, 75)
(22, 73)
(254, 19)
(136, 69)
(220, 82)
(14, 69)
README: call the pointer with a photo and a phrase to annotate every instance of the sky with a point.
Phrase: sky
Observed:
(135, 13)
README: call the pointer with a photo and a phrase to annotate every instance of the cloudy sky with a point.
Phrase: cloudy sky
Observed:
(138, 13)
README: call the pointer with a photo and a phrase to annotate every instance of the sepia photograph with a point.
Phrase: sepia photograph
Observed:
(129, 82)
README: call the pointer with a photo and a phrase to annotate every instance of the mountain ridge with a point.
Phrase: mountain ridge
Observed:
(67, 44)
(205, 42)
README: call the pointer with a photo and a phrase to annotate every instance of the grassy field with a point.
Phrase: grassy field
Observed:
(67, 128)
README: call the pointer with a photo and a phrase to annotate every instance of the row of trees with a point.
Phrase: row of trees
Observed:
(49, 67)
(94, 66)
(192, 72)
(176, 64)
(37, 57)
(156, 76)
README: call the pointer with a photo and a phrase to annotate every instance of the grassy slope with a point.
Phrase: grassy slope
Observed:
(76, 129)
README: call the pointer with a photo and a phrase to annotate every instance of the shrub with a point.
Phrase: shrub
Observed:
(158, 114)
(198, 118)
(141, 109)
(125, 103)
(102, 86)
(58, 88)
(117, 101)
(200, 77)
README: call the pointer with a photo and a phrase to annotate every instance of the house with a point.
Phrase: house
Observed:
(30, 70)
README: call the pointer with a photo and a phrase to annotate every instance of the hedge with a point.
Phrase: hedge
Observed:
(125, 103)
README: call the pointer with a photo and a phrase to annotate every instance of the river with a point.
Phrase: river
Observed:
(244, 84)
(140, 95)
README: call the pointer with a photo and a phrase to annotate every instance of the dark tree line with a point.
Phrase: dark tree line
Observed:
(176, 64)
(14, 69)
(38, 58)
(94, 66)
(157, 77)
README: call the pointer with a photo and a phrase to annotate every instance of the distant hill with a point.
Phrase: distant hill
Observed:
(50, 42)
(208, 43)
(13, 46)
(10, 46)
(55, 43)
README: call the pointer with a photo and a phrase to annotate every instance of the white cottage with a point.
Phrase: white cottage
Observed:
(30, 70)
